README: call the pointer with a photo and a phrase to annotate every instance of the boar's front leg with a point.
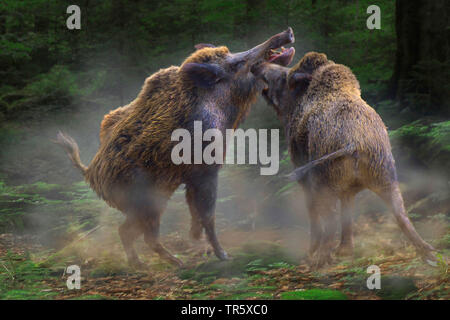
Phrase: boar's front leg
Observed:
(201, 194)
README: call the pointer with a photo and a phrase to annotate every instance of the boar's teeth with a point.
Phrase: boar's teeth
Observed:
(276, 51)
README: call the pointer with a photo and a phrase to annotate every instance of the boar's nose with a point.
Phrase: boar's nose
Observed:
(260, 50)
(290, 35)
(281, 39)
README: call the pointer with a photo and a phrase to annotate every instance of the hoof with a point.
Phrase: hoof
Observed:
(176, 262)
(201, 248)
(222, 255)
(429, 258)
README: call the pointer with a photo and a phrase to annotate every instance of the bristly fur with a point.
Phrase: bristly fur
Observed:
(341, 144)
(136, 138)
(133, 170)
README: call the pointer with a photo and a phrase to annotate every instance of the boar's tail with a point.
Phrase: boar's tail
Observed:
(300, 172)
(71, 148)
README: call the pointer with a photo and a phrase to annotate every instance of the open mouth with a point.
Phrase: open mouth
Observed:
(280, 56)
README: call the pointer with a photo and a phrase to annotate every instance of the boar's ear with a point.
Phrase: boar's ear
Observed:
(204, 45)
(299, 81)
(204, 75)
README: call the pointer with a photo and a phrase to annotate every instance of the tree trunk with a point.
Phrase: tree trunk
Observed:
(423, 55)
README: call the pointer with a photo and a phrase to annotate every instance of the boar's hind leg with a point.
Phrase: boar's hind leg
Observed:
(151, 235)
(393, 198)
(201, 196)
(346, 246)
(129, 231)
(315, 227)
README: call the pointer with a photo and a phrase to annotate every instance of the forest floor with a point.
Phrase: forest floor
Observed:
(267, 263)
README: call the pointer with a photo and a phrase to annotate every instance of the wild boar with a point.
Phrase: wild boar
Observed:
(342, 145)
(133, 171)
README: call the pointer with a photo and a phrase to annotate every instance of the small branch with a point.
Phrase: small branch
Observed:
(12, 276)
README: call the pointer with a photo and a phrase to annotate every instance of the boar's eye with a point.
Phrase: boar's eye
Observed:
(203, 75)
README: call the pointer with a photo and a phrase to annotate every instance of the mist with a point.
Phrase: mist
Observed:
(258, 208)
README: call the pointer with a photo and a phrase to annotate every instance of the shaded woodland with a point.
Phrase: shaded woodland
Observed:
(54, 78)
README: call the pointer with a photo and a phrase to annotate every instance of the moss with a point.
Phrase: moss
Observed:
(217, 286)
(200, 296)
(41, 187)
(395, 287)
(252, 258)
(22, 278)
(108, 267)
(313, 294)
(27, 294)
(246, 295)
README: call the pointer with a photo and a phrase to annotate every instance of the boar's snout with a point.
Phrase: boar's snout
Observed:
(282, 38)
(268, 50)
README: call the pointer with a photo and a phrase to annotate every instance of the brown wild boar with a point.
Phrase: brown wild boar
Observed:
(342, 144)
(133, 170)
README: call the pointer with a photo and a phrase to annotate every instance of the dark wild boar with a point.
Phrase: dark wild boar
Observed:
(133, 171)
(342, 145)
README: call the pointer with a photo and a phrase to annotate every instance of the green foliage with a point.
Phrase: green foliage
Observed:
(251, 258)
(109, 267)
(46, 70)
(45, 93)
(21, 278)
(445, 241)
(437, 133)
(31, 207)
(58, 82)
(444, 269)
(47, 64)
(241, 290)
(313, 294)
(426, 141)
